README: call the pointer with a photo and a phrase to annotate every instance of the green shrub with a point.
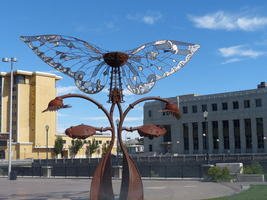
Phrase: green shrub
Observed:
(219, 174)
(254, 168)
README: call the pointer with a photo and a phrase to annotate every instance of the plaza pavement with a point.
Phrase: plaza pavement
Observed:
(78, 189)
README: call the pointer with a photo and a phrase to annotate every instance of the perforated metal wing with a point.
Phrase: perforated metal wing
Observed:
(84, 62)
(74, 57)
(153, 61)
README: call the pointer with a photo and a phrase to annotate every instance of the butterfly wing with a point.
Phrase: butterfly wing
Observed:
(154, 61)
(74, 57)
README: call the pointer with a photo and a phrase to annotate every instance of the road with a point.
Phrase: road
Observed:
(78, 189)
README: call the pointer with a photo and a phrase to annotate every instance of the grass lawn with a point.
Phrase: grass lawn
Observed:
(255, 192)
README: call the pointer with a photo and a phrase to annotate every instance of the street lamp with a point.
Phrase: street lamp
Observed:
(47, 129)
(11, 60)
(205, 134)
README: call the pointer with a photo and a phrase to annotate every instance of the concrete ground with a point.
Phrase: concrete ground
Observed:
(78, 189)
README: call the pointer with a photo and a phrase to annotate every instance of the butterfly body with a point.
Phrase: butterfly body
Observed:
(115, 59)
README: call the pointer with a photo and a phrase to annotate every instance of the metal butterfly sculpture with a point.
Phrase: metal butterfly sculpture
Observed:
(91, 66)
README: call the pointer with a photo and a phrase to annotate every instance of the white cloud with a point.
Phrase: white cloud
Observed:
(147, 18)
(238, 53)
(239, 50)
(65, 90)
(221, 20)
(232, 60)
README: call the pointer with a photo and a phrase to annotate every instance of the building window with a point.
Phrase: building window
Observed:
(215, 134)
(226, 134)
(3, 143)
(258, 102)
(248, 134)
(204, 107)
(149, 113)
(194, 109)
(19, 79)
(195, 135)
(224, 106)
(2, 154)
(246, 103)
(214, 107)
(235, 105)
(186, 136)
(259, 129)
(185, 109)
(150, 148)
(167, 137)
(237, 133)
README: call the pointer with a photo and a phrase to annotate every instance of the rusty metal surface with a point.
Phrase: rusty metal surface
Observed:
(56, 104)
(150, 131)
(81, 131)
(115, 59)
(101, 186)
(172, 109)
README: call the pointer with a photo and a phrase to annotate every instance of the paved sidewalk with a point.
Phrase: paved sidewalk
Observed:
(78, 189)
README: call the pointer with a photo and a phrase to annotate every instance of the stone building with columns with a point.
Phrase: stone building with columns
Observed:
(235, 122)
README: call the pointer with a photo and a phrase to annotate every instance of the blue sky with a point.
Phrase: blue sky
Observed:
(232, 35)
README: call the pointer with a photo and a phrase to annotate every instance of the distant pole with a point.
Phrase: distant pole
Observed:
(205, 115)
(47, 129)
(117, 123)
(11, 60)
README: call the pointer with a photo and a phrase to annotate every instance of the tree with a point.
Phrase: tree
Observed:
(254, 168)
(76, 146)
(59, 143)
(105, 147)
(91, 148)
(219, 174)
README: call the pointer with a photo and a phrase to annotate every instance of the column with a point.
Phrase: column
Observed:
(242, 136)
(210, 137)
(220, 136)
(254, 135)
(175, 138)
(265, 134)
(200, 137)
(190, 137)
(180, 133)
(231, 136)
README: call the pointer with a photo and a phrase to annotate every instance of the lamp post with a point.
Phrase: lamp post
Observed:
(117, 124)
(47, 129)
(205, 134)
(11, 60)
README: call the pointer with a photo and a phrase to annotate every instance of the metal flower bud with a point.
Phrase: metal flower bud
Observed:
(55, 105)
(150, 131)
(81, 131)
(172, 109)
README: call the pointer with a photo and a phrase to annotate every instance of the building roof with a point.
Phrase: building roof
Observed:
(27, 73)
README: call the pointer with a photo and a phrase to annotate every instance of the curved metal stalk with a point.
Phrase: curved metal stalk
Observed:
(131, 185)
(101, 185)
